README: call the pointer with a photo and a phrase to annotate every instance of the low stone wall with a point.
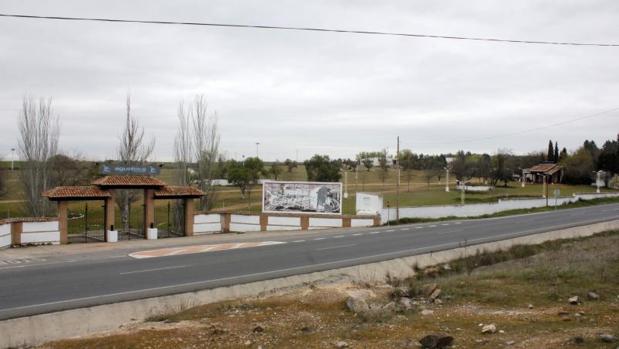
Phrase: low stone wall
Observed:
(29, 231)
(472, 210)
(38, 329)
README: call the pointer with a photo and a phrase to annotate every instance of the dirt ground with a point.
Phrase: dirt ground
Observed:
(524, 293)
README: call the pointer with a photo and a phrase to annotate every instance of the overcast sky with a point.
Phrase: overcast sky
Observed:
(307, 92)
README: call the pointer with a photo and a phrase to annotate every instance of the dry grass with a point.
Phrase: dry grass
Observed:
(496, 290)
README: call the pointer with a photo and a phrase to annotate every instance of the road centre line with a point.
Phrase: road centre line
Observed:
(155, 269)
(338, 236)
(317, 239)
(374, 232)
(357, 234)
(299, 241)
(334, 247)
(389, 231)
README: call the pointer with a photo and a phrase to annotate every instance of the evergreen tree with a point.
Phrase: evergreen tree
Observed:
(556, 155)
(550, 156)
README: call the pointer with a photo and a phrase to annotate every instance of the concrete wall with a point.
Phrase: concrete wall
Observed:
(5, 235)
(322, 223)
(242, 223)
(473, 210)
(38, 329)
(206, 223)
(284, 223)
(40, 233)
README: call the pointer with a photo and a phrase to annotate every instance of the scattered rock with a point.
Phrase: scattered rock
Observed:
(447, 267)
(530, 306)
(258, 329)
(607, 338)
(431, 271)
(248, 343)
(510, 342)
(436, 341)
(400, 292)
(405, 303)
(574, 300)
(426, 312)
(501, 331)
(578, 340)
(435, 294)
(563, 313)
(488, 329)
(341, 344)
(306, 329)
(592, 296)
(357, 304)
(428, 289)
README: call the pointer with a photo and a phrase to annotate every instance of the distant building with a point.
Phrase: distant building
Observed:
(537, 173)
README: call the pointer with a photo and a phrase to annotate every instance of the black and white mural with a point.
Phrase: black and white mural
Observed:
(311, 197)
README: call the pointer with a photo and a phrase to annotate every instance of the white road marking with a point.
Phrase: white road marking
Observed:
(445, 224)
(316, 239)
(374, 232)
(338, 236)
(419, 227)
(334, 247)
(357, 234)
(156, 269)
(299, 241)
(389, 231)
(433, 226)
(403, 229)
(458, 223)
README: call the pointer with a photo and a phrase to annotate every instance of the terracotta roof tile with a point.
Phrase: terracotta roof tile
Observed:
(176, 191)
(76, 192)
(127, 181)
(546, 168)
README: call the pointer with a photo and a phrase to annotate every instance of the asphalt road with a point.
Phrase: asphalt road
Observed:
(53, 286)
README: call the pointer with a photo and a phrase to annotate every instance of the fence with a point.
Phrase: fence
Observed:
(473, 210)
(227, 222)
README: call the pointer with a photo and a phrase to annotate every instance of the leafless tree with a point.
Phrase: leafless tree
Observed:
(39, 132)
(197, 145)
(133, 150)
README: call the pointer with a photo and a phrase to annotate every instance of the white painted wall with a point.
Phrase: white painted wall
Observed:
(361, 222)
(40, 232)
(473, 210)
(5, 235)
(244, 223)
(284, 223)
(206, 223)
(325, 223)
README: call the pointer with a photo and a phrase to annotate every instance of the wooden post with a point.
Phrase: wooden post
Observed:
(264, 222)
(149, 209)
(109, 215)
(346, 222)
(16, 229)
(304, 223)
(63, 221)
(188, 203)
(225, 219)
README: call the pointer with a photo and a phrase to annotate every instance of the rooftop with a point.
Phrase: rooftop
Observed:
(76, 192)
(545, 168)
(128, 181)
(176, 191)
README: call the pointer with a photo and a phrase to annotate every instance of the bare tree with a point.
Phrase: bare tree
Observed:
(197, 145)
(133, 150)
(39, 132)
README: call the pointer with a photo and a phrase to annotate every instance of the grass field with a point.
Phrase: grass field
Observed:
(417, 192)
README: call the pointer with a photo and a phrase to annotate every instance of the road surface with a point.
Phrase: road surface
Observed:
(53, 285)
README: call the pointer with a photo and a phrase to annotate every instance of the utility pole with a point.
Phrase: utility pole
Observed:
(397, 196)
(257, 154)
(12, 159)
(447, 178)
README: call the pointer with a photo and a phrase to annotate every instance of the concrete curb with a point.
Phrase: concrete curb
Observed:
(38, 329)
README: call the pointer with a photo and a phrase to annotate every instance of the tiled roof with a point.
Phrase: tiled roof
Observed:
(545, 168)
(175, 191)
(76, 192)
(128, 181)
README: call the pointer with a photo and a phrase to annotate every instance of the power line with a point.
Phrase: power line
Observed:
(311, 29)
(472, 140)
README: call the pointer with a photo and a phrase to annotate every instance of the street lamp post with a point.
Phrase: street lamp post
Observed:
(257, 153)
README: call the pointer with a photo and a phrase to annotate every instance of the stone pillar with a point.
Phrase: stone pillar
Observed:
(305, 223)
(377, 220)
(63, 221)
(346, 222)
(225, 219)
(188, 204)
(264, 222)
(109, 215)
(149, 209)
(16, 229)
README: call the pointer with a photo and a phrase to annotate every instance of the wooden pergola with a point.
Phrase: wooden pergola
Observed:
(103, 189)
